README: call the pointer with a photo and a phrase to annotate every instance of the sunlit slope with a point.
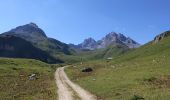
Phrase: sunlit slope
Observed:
(140, 73)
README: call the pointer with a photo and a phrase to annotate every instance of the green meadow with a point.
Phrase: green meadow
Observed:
(16, 85)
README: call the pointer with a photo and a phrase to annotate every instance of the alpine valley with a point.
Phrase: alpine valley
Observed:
(115, 67)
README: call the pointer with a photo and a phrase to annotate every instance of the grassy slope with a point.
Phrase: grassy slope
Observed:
(14, 83)
(143, 72)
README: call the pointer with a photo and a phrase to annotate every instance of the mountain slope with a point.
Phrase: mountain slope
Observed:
(32, 33)
(16, 47)
(153, 48)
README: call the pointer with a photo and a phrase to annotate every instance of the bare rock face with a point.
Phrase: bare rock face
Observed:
(89, 43)
(117, 38)
(107, 40)
(161, 36)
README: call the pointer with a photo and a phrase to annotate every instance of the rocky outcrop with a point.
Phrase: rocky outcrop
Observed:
(161, 36)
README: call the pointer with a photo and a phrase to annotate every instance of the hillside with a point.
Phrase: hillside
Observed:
(150, 49)
(15, 47)
(16, 84)
(139, 73)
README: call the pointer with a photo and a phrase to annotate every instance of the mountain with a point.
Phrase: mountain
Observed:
(112, 38)
(32, 33)
(89, 43)
(16, 47)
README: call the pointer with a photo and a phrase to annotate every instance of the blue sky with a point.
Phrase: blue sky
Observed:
(71, 21)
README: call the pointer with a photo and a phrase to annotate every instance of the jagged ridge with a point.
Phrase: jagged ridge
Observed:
(110, 39)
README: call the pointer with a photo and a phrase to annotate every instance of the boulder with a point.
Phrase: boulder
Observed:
(88, 69)
(33, 76)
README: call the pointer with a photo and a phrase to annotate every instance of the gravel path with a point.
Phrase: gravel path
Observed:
(66, 88)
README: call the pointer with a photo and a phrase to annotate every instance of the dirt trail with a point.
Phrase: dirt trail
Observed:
(63, 91)
(66, 88)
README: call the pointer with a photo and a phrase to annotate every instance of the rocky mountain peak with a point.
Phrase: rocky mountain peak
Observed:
(89, 40)
(33, 25)
(111, 38)
(111, 34)
(88, 43)
(29, 30)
